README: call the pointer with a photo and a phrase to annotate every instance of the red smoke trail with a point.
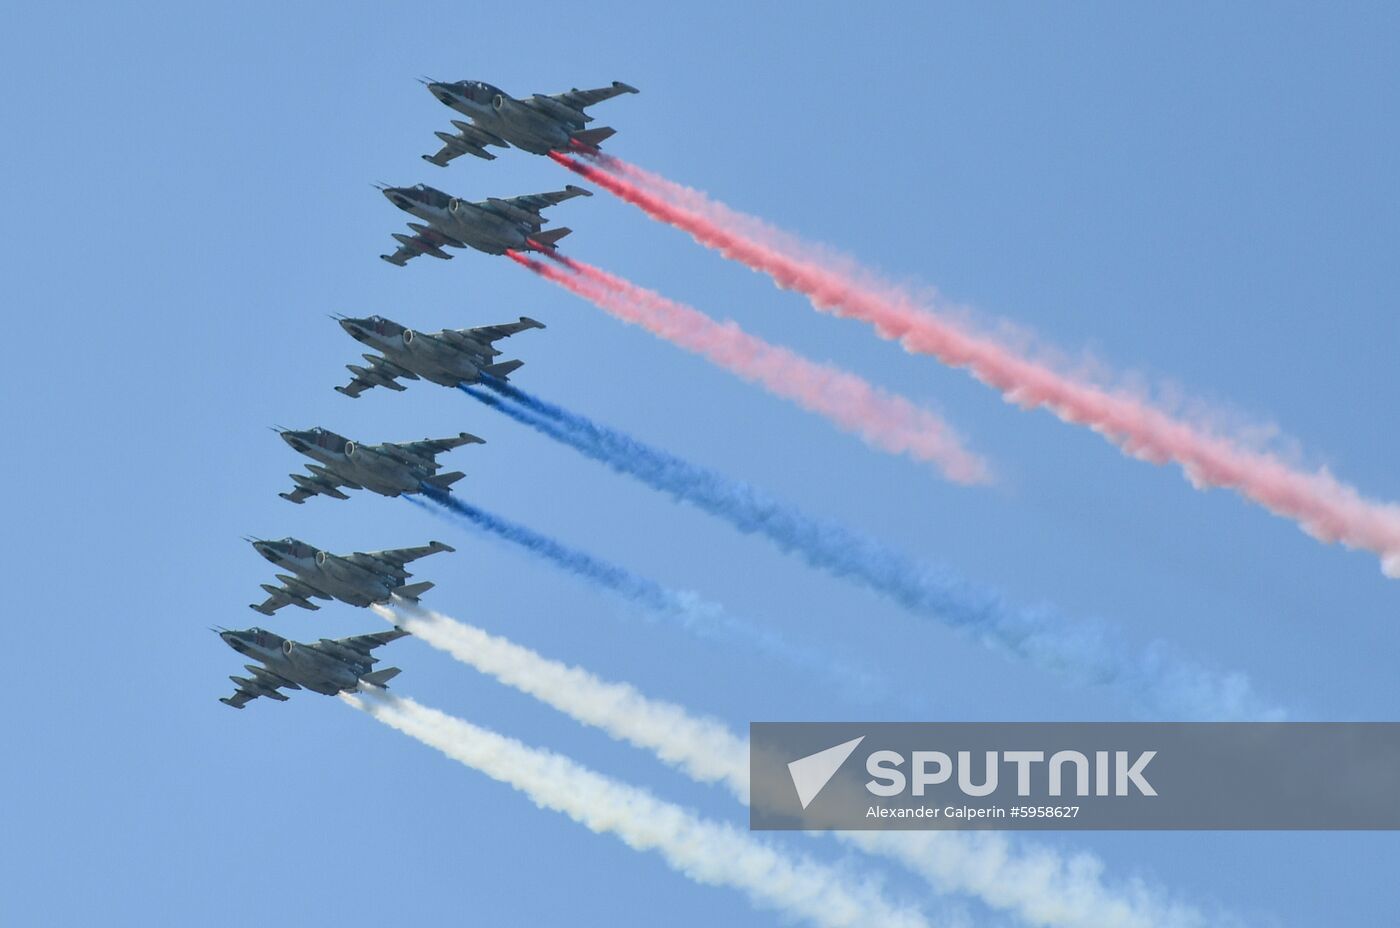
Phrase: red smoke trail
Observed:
(889, 422)
(1324, 506)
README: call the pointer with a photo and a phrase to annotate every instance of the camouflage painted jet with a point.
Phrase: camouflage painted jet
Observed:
(539, 125)
(387, 469)
(493, 225)
(329, 666)
(360, 579)
(449, 357)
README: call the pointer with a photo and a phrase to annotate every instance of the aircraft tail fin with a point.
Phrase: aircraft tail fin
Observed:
(544, 240)
(413, 590)
(381, 678)
(502, 370)
(443, 481)
(594, 137)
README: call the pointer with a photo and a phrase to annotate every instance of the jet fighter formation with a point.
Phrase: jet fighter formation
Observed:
(539, 124)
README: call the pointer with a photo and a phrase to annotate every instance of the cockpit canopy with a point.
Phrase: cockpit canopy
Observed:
(384, 326)
(325, 438)
(478, 91)
(262, 638)
(429, 195)
(297, 549)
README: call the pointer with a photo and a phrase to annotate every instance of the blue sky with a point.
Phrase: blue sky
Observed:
(1204, 195)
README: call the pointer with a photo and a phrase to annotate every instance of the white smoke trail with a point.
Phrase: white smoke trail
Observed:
(1037, 884)
(708, 852)
(668, 730)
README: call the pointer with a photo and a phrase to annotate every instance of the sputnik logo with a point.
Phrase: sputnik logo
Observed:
(810, 774)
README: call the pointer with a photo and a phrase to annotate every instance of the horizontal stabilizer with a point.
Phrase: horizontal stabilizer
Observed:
(502, 370)
(413, 590)
(443, 481)
(380, 678)
(594, 137)
(547, 240)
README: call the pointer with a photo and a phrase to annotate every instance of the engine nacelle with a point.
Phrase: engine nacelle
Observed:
(505, 106)
(408, 336)
(349, 449)
(288, 647)
(321, 558)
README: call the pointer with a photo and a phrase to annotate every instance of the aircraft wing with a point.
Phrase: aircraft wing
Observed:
(486, 334)
(262, 683)
(445, 156)
(430, 447)
(392, 560)
(578, 99)
(358, 647)
(448, 153)
(380, 373)
(292, 592)
(321, 482)
(527, 207)
(402, 255)
(239, 699)
(469, 140)
(360, 384)
(424, 241)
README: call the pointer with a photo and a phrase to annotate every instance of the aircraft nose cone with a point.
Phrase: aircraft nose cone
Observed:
(397, 197)
(359, 329)
(295, 439)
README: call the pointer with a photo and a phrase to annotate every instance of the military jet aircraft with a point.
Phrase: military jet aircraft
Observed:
(329, 666)
(493, 225)
(539, 125)
(449, 357)
(359, 579)
(387, 469)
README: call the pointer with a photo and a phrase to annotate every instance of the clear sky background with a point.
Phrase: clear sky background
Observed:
(1205, 195)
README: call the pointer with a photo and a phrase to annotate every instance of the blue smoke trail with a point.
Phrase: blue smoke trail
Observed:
(1159, 682)
(706, 619)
